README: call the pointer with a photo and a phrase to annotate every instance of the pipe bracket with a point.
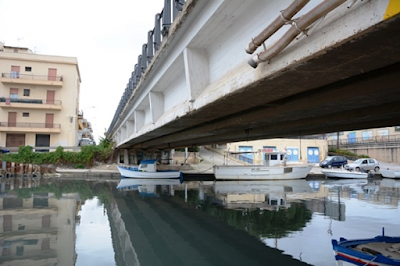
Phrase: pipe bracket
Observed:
(287, 21)
(304, 32)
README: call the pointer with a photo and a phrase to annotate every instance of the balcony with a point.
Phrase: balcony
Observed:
(28, 103)
(17, 127)
(23, 79)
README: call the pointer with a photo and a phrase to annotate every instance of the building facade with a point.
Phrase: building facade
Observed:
(39, 99)
(297, 150)
(365, 135)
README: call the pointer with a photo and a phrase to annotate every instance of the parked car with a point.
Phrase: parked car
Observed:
(333, 161)
(364, 164)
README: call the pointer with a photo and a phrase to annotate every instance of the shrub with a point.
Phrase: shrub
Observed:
(346, 153)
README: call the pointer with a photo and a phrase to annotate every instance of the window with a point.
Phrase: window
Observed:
(25, 114)
(27, 92)
(20, 251)
(13, 93)
(14, 72)
(367, 135)
(28, 69)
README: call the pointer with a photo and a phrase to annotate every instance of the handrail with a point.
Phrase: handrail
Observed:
(29, 125)
(361, 141)
(30, 101)
(17, 75)
(163, 22)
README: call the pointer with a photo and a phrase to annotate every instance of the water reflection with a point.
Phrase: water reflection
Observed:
(164, 222)
(37, 225)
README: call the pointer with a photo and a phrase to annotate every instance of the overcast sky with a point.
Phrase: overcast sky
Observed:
(105, 36)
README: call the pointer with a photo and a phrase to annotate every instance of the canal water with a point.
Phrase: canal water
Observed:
(147, 222)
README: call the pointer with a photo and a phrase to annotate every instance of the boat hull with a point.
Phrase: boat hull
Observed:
(134, 173)
(390, 173)
(366, 251)
(260, 172)
(136, 182)
(343, 174)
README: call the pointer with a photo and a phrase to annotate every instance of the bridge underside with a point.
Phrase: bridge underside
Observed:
(354, 85)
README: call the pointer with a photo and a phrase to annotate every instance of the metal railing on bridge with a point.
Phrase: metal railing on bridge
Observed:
(163, 22)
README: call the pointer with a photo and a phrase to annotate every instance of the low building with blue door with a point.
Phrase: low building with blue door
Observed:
(297, 150)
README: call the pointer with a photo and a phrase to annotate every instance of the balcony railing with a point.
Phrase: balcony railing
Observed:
(31, 77)
(365, 141)
(29, 125)
(30, 101)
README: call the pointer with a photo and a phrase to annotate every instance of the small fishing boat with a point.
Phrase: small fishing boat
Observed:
(378, 251)
(343, 173)
(390, 173)
(274, 168)
(147, 169)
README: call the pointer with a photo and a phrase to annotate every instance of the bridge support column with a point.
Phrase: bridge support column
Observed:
(126, 156)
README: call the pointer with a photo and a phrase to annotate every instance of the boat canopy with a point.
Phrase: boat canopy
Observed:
(148, 166)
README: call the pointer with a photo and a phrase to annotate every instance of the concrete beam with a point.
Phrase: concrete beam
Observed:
(196, 71)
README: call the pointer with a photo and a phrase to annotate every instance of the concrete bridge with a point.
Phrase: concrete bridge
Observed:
(228, 70)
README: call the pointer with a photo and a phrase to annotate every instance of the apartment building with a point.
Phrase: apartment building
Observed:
(39, 99)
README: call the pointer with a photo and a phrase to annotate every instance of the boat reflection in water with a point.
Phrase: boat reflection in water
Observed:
(164, 222)
(148, 187)
(271, 195)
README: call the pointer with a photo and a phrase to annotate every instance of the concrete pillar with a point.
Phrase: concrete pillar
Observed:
(126, 156)
(156, 105)
(196, 71)
(119, 156)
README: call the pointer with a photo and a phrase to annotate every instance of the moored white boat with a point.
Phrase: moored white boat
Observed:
(380, 250)
(390, 173)
(342, 173)
(260, 172)
(275, 168)
(147, 169)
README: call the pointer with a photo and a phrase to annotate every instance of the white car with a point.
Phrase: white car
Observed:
(364, 164)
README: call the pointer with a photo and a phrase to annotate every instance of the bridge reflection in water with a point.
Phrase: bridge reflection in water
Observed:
(196, 223)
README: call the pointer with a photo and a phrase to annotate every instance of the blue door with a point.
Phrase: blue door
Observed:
(246, 157)
(292, 154)
(312, 155)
